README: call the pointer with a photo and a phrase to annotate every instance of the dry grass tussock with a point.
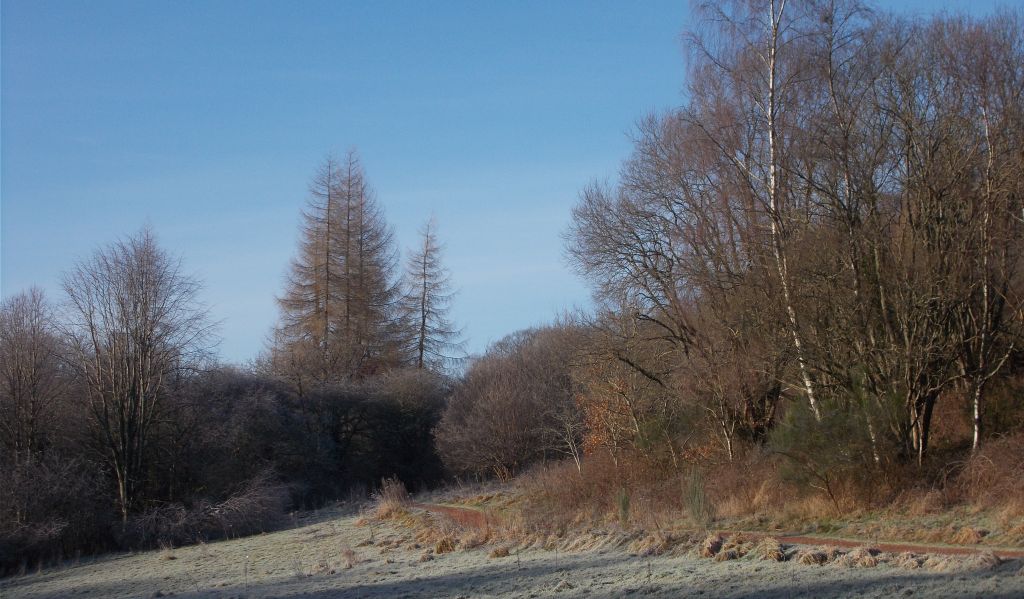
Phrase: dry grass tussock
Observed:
(769, 549)
(813, 556)
(909, 561)
(391, 500)
(945, 563)
(444, 545)
(711, 545)
(860, 557)
(723, 548)
(967, 535)
(963, 563)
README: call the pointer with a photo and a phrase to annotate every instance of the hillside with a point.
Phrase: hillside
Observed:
(339, 553)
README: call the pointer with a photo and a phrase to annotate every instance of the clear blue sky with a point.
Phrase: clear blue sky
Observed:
(206, 119)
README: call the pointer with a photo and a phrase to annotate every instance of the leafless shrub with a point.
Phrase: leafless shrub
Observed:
(513, 407)
(993, 477)
(49, 508)
(259, 506)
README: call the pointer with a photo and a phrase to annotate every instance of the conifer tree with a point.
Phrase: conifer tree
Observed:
(340, 306)
(435, 341)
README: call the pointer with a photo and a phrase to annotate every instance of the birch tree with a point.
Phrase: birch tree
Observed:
(753, 50)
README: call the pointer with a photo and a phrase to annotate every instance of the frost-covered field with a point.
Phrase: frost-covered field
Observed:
(331, 556)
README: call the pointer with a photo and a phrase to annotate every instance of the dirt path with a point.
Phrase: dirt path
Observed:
(480, 519)
(1003, 553)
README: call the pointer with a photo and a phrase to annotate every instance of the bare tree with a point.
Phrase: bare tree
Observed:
(835, 208)
(754, 50)
(134, 322)
(986, 63)
(427, 300)
(512, 407)
(32, 380)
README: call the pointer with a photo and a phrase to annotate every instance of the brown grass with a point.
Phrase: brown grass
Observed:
(860, 557)
(969, 536)
(348, 557)
(735, 547)
(391, 500)
(993, 478)
(444, 545)
(909, 561)
(814, 556)
(646, 545)
(925, 503)
(711, 545)
(770, 549)
(726, 555)
(556, 507)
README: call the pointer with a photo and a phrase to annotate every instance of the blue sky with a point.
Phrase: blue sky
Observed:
(206, 120)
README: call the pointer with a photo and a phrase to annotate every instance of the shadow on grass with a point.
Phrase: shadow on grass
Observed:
(593, 575)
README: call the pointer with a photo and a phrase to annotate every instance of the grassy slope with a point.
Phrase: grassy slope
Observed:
(339, 554)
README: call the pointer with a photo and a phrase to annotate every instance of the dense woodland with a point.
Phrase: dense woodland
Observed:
(808, 274)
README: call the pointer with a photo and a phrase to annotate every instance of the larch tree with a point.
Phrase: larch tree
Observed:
(307, 305)
(367, 290)
(339, 311)
(435, 342)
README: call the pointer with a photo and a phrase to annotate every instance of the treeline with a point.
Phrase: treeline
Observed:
(119, 429)
(815, 258)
